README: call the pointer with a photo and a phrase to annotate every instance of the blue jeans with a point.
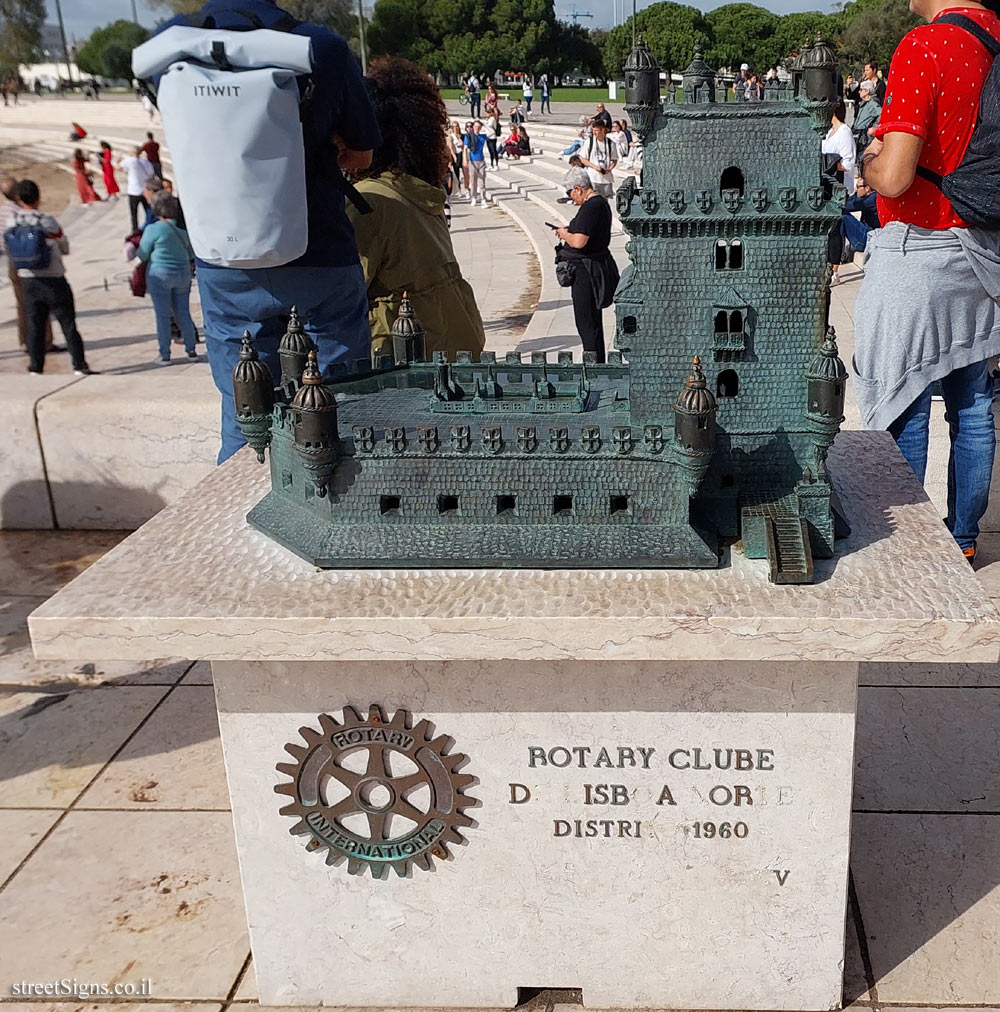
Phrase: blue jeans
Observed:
(574, 147)
(475, 104)
(968, 400)
(546, 102)
(855, 232)
(170, 291)
(331, 301)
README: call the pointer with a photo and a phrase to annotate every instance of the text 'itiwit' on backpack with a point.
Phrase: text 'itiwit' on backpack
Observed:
(972, 187)
(230, 103)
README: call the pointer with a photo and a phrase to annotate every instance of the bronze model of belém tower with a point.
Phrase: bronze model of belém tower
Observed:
(710, 421)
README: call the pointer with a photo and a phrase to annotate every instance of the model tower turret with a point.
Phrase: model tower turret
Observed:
(253, 392)
(642, 89)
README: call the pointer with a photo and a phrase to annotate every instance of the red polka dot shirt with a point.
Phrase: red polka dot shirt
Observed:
(933, 91)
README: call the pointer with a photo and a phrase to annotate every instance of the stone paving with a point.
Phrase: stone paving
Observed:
(117, 862)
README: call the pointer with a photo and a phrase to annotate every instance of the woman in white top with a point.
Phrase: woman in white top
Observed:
(456, 146)
(619, 139)
(528, 93)
(840, 141)
(491, 130)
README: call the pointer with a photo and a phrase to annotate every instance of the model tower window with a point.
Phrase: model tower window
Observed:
(506, 504)
(729, 255)
(732, 179)
(562, 505)
(448, 504)
(729, 322)
(728, 384)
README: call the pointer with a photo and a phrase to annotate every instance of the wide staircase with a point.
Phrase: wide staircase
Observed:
(528, 190)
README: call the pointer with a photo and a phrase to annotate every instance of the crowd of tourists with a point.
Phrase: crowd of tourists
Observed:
(472, 90)
(843, 147)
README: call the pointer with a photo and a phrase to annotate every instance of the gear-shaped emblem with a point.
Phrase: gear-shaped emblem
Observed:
(377, 793)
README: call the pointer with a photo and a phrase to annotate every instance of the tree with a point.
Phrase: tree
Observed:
(669, 29)
(108, 51)
(20, 32)
(340, 15)
(873, 29)
(578, 48)
(460, 36)
(743, 33)
(800, 28)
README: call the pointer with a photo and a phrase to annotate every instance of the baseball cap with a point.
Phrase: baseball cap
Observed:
(744, 66)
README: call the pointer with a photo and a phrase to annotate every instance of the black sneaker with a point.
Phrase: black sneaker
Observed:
(84, 370)
(192, 354)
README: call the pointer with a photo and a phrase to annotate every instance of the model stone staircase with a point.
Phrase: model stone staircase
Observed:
(788, 553)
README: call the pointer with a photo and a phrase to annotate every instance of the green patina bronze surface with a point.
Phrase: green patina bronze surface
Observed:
(711, 420)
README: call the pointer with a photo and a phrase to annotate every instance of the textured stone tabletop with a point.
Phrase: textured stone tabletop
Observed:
(197, 582)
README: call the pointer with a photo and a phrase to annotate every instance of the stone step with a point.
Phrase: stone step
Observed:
(788, 551)
(552, 326)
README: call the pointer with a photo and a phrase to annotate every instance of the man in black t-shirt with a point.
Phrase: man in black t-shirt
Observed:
(601, 115)
(871, 74)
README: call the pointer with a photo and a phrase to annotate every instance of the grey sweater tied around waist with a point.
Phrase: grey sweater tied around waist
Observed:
(929, 304)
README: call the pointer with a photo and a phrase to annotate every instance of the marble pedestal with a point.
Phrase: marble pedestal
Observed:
(675, 887)
(662, 760)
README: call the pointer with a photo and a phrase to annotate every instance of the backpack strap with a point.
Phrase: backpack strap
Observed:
(991, 44)
(973, 28)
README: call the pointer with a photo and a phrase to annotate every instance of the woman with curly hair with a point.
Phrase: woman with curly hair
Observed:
(404, 242)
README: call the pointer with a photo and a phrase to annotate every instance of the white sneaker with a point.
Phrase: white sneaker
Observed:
(484, 203)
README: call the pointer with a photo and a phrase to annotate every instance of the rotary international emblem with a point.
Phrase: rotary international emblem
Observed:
(376, 793)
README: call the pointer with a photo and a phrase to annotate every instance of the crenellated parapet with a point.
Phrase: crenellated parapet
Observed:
(406, 440)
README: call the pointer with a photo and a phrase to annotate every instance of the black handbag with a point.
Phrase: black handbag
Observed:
(565, 268)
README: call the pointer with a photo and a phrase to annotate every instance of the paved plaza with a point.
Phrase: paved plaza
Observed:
(117, 861)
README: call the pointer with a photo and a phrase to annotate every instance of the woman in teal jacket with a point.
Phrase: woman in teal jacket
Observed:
(166, 250)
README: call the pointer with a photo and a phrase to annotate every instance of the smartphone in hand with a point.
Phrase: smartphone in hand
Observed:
(554, 227)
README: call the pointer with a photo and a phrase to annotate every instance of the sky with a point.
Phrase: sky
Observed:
(82, 16)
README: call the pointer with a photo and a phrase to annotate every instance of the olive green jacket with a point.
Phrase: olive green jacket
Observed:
(405, 246)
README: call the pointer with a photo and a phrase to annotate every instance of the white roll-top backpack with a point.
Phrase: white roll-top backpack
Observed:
(231, 107)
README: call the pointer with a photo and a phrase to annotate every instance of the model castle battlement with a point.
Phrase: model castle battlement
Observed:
(711, 419)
